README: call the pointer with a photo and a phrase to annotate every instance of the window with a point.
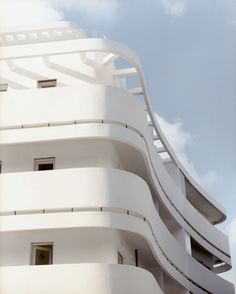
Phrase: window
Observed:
(47, 83)
(3, 87)
(136, 257)
(41, 164)
(120, 258)
(41, 253)
(0, 166)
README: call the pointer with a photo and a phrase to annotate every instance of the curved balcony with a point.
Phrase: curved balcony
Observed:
(103, 198)
(103, 104)
(154, 173)
(173, 259)
(77, 278)
(116, 50)
(70, 105)
(107, 209)
(72, 188)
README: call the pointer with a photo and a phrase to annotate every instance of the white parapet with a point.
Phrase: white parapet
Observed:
(77, 278)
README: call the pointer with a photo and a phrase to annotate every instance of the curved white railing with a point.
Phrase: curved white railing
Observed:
(112, 114)
(98, 45)
(104, 196)
(188, 272)
(110, 47)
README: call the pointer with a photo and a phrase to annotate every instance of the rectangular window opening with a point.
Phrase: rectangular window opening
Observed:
(136, 257)
(3, 87)
(41, 164)
(41, 253)
(47, 83)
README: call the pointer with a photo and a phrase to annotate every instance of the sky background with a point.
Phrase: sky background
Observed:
(188, 52)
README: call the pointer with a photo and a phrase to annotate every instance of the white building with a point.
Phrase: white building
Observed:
(92, 198)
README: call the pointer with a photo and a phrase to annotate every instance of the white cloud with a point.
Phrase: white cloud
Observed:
(174, 7)
(177, 137)
(26, 12)
(210, 179)
(179, 140)
(93, 9)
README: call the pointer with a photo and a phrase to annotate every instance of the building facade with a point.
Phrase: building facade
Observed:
(92, 197)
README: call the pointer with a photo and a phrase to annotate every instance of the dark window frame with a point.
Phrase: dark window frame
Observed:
(3, 87)
(49, 83)
(42, 161)
(43, 246)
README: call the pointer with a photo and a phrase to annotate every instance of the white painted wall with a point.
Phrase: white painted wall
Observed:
(85, 100)
(85, 103)
(158, 273)
(93, 245)
(78, 278)
(173, 171)
(69, 246)
(68, 154)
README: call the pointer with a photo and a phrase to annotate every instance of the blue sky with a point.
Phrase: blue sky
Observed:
(187, 49)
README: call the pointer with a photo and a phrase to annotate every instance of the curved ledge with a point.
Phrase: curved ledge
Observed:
(63, 278)
(187, 216)
(133, 59)
(92, 110)
(136, 199)
(102, 45)
(190, 274)
(98, 103)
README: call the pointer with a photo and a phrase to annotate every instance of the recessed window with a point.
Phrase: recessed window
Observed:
(136, 257)
(41, 253)
(120, 258)
(41, 164)
(47, 83)
(3, 87)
